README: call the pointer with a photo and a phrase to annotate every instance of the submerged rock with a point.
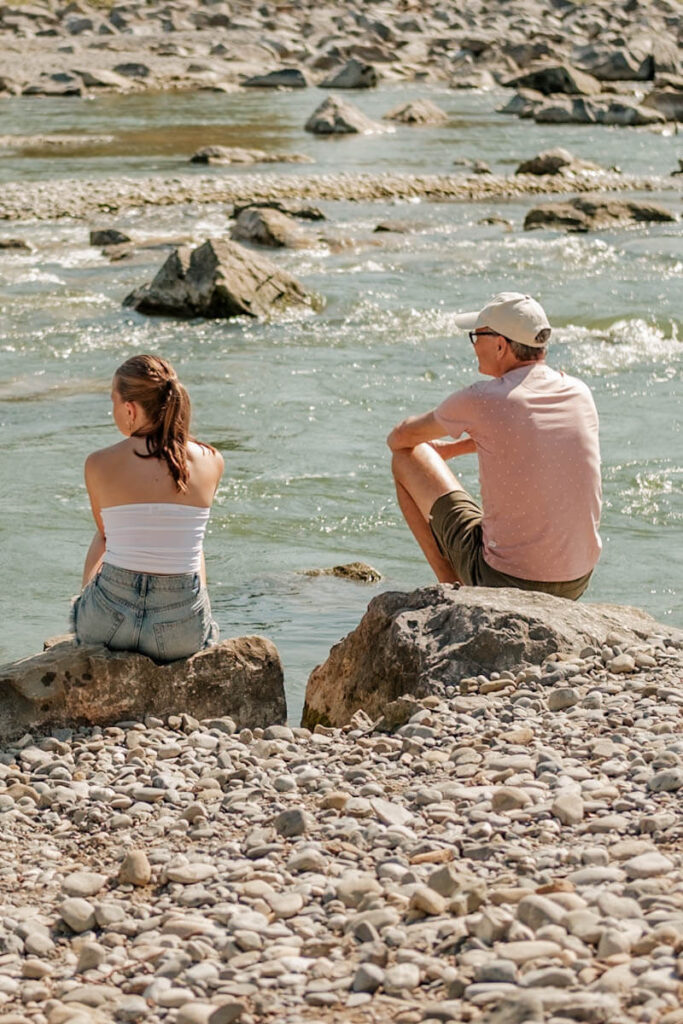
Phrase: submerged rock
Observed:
(361, 572)
(335, 116)
(268, 227)
(14, 245)
(68, 685)
(225, 155)
(218, 279)
(108, 236)
(421, 642)
(417, 112)
(590, 213)
(554, 161)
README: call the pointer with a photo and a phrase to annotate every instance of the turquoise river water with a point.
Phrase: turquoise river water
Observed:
(301, 408)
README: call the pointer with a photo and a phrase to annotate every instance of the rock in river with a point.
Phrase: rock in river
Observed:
(69, 685)
(590, 213)
(218, 279)
(417, 112)
(337, 117)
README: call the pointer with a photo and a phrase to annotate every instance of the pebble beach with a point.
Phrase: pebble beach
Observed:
(512, 853)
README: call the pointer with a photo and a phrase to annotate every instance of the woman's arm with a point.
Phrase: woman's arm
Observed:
(93, 559)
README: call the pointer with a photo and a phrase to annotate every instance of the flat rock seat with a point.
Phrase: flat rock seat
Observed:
(69, 685)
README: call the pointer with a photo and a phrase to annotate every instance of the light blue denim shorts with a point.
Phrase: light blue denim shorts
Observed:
(164, 617)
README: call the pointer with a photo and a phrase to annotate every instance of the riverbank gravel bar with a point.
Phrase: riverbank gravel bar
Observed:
(82, 198)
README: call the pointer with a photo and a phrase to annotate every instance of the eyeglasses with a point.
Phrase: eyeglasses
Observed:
(482, 334)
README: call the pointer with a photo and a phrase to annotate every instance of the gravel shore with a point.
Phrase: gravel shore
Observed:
(512, 853)
(82, 198)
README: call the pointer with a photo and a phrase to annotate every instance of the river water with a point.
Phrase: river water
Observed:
(301, 408)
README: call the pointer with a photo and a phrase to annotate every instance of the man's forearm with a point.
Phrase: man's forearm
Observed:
(451, 449)
(413, 431)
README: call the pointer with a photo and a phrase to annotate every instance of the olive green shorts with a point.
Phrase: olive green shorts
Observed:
(456, 525)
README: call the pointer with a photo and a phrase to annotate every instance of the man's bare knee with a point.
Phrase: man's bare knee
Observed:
(405, 459)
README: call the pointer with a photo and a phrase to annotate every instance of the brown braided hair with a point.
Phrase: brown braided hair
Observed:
(153, 383)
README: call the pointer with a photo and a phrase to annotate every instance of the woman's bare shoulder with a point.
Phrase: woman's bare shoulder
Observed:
(203, 453)
(104, 457)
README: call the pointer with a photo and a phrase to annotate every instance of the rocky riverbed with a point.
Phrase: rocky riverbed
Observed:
(511, 852)
(54, 48)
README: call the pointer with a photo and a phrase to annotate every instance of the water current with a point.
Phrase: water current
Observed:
(301, 408)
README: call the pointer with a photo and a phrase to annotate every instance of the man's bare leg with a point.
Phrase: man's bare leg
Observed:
(422, 476)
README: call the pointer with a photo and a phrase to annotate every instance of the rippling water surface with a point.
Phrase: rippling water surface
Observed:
(301, 408)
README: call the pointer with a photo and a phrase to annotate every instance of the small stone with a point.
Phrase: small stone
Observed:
(135, 869)
(563, 697)
(367, 978)
(78, 914)
(286, 904)
(91, 955)
(444, 880)
(188, 874)
(648, 865)
(427, 901)
(622, 663)
(390, 813)
(667, 781)
(568, 808)
(293, 822)
(509, 798)
(83, 883)
(354, 885)
(227, 1013)
(401, 978)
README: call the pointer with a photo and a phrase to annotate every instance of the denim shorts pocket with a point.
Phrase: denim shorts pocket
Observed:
(96, 617)
(185, 636)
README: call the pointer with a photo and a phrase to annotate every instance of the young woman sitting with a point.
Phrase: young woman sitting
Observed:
(144, 581)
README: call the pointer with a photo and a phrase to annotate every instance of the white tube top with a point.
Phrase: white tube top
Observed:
(155, 537)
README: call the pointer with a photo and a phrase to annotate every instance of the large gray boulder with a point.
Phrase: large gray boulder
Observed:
(335, 116)
(218, 279)
(69, 685)
(592, 213)
(551, 78)
(418, 643)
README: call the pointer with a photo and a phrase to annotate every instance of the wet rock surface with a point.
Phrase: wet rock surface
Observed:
(220, 279)
(69, 684)
(473, 856)
(590, 213)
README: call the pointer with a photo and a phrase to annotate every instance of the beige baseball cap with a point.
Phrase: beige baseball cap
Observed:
(515, 316)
